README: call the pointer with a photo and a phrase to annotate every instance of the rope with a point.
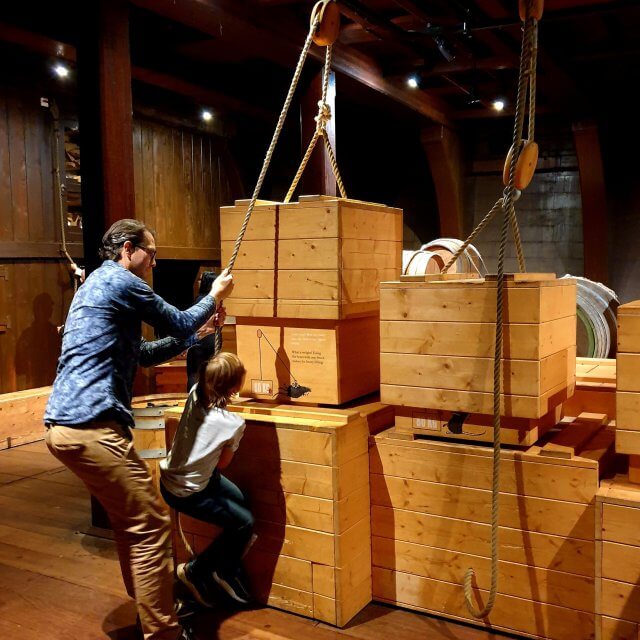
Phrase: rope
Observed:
(324, 115)
(315, 21)
(506, 204)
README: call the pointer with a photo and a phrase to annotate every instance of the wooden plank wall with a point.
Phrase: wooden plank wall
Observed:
(36, 286)
(181, 179)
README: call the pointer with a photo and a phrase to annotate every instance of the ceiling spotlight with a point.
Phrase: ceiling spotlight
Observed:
(412, 81)
(498, 105)
(61, 71)
(207, 116)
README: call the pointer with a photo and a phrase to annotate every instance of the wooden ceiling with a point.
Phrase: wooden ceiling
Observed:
(463, 53)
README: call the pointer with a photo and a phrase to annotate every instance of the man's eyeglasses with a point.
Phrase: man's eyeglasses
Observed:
(150, 252)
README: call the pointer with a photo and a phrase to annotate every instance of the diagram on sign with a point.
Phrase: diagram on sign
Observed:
(265, 387)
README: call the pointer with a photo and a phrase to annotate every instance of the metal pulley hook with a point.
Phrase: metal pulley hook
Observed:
(327, 13)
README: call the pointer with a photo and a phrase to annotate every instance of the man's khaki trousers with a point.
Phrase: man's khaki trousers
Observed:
(102, 456)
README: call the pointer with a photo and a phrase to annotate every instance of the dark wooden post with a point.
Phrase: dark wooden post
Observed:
(595, 232)
(318, 177)
(442, 147)
(106, 126)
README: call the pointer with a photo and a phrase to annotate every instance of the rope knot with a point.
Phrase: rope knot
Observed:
(324, 115)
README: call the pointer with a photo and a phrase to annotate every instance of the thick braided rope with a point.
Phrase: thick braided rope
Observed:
(507, 219)
(324, 115)
(483, 223)
(274, 140)
(267, 159)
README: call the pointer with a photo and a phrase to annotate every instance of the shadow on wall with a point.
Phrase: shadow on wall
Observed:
(38, 347)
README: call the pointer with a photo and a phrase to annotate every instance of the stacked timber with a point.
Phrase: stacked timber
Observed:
(437, 344)
(618, 567)
(430, 520)
(306, 296)
(595, 387)
(628, 386)
(21, 416)
(305, 472)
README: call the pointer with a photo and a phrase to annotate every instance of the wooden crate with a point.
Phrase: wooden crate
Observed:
(319, 258)
(21, 416)
(430, 521)
(336, 361)
(618, 566)
(306, 474)
(628, 379)
(437, 340)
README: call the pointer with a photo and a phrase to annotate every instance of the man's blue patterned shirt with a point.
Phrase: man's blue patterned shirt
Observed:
(103, 345)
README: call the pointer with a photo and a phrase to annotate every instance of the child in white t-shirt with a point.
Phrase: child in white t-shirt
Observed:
(207, 437)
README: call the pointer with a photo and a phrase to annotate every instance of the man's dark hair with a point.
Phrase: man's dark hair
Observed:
(118, 233)
(206, 282)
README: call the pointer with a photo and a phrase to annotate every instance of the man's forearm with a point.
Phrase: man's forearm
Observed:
(159, 351)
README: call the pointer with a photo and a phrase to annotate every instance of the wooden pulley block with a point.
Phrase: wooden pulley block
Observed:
(530, 9)
(329, 26)
(525, 166)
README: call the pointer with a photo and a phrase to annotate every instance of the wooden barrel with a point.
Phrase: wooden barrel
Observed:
(148, 432)
(423, 262)
(469, 262)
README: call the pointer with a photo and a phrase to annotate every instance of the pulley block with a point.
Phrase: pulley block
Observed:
(328, 29)
(525, 165)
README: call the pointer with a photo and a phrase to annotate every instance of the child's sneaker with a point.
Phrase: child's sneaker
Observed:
(197, 587)
(232, 584)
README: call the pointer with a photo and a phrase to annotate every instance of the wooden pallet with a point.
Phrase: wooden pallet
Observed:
(306, 473)
(430, 518)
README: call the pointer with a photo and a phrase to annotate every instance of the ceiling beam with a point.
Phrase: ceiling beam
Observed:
(53, 48)
(283, 38)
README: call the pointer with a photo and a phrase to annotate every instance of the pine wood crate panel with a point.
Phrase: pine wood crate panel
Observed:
(477, 339)
(21, 416)
(613, 629)
(474, 301)
(512, 614)
(330, 252)
(305, 472)
(516, 406)
(628, 410)
(520, 377)
(522, 581)
(629, 327)
(628, 372)
(628, 442)
(435, 424)
(545, 551)
(336, 361)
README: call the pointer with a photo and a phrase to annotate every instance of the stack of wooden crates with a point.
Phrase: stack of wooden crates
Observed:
(306, 296)
(306, 302)
(618, 573)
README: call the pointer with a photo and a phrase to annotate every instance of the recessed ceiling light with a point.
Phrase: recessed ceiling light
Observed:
(207, 116)
(498, 105)
(412, 81)
(61, 71)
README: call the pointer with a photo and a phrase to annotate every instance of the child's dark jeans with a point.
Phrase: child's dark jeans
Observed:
(223, 504)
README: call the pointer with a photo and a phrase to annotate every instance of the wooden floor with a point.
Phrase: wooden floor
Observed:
(59, 583)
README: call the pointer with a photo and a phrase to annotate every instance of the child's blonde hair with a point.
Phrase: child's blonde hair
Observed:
(219, 378)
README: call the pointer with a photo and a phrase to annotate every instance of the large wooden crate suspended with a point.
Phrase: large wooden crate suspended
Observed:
(332, 361)
(320, 258)
(628, 379)
(438, 336)
(430, 522)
